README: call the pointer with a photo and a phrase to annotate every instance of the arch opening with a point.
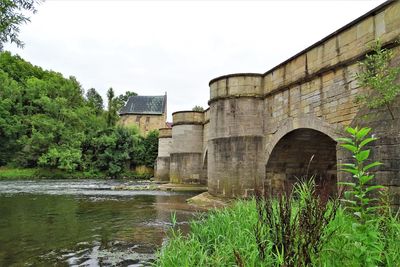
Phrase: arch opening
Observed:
(302, 154)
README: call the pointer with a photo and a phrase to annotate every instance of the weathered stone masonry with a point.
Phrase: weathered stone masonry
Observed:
(261, 130)
(187, 148)
(163, 158)
(235, 142)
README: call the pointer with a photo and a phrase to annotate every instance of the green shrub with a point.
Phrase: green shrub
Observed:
(359, 189)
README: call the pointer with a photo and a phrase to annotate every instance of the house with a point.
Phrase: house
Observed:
(146, 112)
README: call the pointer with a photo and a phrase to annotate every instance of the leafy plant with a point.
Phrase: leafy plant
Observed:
(111, 115)
(95, 100)
(67, 159)
(146, 150)
(378, 75)
(295, 225)
(359, 194)
(110, 151)
(13, 13)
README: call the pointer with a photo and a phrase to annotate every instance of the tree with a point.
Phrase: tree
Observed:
(198, 108)
(146, 150)
(377, 74)
(12, 16)
(95, 100)
(10, 123)
(110, 97)
(44, 119)
(112, 149)
(112, 115)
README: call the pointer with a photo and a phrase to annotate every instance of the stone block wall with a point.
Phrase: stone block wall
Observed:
(235, 144)
(144, 122)
(186, 161)
(163, 158)
(206, 133)
(317, 88)
(186, 168)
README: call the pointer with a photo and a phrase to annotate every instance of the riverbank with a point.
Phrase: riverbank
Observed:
(43, 173)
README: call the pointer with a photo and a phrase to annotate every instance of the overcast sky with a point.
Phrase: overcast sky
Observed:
(152, 47)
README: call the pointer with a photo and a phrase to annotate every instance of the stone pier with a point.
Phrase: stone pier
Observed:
(163, 159)
(187, 148)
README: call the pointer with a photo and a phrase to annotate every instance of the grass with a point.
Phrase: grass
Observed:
(42, 173)
(226, 237)
(213, 240)
(17, 174)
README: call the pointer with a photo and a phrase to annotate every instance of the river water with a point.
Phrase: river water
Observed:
(85, 223)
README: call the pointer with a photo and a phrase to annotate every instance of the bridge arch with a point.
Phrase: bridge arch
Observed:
(302, 148)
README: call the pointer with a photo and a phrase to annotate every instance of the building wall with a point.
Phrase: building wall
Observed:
(144, 122)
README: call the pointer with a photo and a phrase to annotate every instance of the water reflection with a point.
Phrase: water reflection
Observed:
(89, 225)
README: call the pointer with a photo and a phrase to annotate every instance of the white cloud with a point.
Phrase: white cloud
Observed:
(155, 46)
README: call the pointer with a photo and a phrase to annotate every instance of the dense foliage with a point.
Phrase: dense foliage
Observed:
(45, 121)
(146, 153)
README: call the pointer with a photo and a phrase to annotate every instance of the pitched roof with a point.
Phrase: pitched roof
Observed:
(145, 105)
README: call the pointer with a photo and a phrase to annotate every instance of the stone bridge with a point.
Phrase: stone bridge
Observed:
(267, 130)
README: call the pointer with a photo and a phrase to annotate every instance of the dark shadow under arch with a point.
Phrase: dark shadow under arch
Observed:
(301, 154)
(205, 167)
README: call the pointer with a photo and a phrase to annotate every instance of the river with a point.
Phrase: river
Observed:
(85, 223)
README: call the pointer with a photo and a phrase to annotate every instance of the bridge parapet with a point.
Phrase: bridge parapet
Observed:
(188, 117)
(342, 48)
(165, 133)
(236, 85)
